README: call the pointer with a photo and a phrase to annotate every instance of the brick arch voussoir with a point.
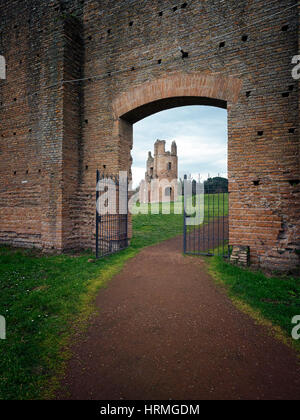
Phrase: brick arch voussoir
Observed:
(217, 87)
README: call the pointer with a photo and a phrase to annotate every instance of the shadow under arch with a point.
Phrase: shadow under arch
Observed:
(151, 108)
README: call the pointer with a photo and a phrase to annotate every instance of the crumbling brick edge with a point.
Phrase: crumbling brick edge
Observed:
(240, 255)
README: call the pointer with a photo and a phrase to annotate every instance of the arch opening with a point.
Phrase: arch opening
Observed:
(148, 109)
(168, 192)
(180, 141)
(168, 93)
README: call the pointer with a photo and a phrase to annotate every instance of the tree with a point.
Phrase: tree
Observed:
(216, 185)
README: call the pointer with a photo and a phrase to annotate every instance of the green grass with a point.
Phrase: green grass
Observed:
(45, 299)
(150, 228)
(275, 299)
(41, 297)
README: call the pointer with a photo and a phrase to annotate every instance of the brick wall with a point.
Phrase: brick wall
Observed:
(134, 46)
(40, 124)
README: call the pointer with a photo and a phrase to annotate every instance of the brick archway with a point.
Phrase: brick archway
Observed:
(174, 90)
(54, 139)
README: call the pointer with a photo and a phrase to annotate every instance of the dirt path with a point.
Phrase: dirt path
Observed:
(165, 331)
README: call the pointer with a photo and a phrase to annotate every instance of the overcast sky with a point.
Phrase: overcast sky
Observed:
(200, 133)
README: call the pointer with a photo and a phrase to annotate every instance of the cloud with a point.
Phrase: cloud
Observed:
(200, 133)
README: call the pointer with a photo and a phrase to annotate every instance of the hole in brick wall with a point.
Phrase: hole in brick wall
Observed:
(286, 94)
(159, 61)
(131, 23)
(27, 172)
(15, 172)
(160, 13)
(109, 74)
(292, 130)
(86, 121)
(109, 31)
(184, 5)
(175, 8)
(40, 171)
(285, 28)
(132, 68)
(15, 99)
(86, 167)
(256, 182)
(260, 133)
(291, 88)
(90, 38)
(294, 182)
(29, 131)
(184, 54)
(15, 134)
(245, 38)
(222, 44)
(248, 94)
(104, 166)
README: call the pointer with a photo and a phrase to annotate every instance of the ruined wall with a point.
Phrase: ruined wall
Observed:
(162, 158)
(163, 168)
(40, 123)
(263, 125)
(125, 45)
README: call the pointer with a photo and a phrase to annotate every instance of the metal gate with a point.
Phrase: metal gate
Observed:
(111, 214)
(209, 234)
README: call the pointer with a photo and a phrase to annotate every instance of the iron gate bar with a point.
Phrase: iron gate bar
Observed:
(211, 236)
(112, 229)
(97, 215)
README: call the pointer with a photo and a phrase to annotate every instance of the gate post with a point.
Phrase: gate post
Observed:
(97, 216)
(184, 216)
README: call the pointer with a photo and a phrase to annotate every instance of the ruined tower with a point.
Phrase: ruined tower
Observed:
(160, 182)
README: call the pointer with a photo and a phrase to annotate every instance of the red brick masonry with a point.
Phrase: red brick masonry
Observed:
(52, 142)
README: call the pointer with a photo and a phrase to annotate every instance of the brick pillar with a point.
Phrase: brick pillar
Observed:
(61, 128)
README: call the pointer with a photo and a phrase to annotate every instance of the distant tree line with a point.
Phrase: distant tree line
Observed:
(216, 185)
(211, 185)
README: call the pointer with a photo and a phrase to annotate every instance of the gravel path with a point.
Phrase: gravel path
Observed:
(166, 331)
